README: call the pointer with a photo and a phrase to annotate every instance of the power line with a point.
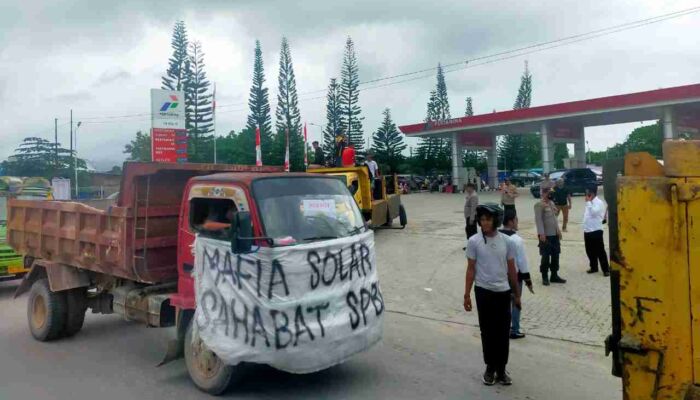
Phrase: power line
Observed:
(464, 64)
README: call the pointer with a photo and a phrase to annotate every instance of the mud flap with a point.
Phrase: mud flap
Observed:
(37, 272)
(176, 347)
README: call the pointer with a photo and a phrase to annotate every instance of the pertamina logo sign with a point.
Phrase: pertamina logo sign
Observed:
(168, 105)
(167, 109)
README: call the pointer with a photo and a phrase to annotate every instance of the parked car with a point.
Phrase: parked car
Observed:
(522, 178)
(576, 180)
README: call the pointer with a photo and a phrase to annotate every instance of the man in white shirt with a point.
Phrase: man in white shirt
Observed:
(491, 268)
(372, 165)
(593, 217)
(510, 228)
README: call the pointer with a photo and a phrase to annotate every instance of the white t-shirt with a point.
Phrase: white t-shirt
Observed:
(593, 215)
(491, 258)
(373, 167)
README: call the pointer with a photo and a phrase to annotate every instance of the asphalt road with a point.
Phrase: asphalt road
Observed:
(423, 354)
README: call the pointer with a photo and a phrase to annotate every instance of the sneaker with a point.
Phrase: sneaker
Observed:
(592, 271)
(557, 279)
(504, 379)
(545, 280)
(606, 273)
(517, 335)
(489, 377)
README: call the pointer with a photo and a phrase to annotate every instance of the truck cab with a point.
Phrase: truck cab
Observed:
(273, 207)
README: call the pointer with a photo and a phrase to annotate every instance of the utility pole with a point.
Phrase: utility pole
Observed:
(55, 143)
(71, 132)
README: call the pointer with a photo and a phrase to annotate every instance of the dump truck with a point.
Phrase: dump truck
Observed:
(380, 202)
(654, 216)
(137, 258)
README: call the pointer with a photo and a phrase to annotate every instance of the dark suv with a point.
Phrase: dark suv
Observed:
(523, 178)
(576, 180)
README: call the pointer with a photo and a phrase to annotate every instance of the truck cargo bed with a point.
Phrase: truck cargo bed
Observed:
(135, 239)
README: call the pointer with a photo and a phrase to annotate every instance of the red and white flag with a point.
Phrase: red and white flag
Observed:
(258, 153)
(306, 157)
(286, 151)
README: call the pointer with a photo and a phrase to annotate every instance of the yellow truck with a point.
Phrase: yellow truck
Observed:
(654, 216)
(380, 203)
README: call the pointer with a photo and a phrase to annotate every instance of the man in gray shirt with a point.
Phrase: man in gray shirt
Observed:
(549, 236)
(491, 268)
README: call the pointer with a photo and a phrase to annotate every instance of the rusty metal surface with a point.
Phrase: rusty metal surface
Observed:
(64, 277)
(658, 233)
(682, 158)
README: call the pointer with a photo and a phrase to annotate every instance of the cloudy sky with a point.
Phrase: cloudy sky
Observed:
(100, 58)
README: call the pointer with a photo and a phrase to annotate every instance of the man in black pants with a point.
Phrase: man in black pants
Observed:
(593, 218)
(491, 268)
(549, 236)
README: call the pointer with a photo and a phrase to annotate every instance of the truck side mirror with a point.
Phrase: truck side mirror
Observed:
(242, 238)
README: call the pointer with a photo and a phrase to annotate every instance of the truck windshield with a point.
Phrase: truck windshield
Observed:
(306, 209)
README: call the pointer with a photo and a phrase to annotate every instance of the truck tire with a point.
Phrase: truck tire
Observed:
(46, 311)
(206, 370)
(76, 303)
(403, 218)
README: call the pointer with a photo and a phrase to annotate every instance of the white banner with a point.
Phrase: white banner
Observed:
(167, 109)
(299, 308)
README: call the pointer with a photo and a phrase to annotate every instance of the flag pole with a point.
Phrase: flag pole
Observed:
(213, 109)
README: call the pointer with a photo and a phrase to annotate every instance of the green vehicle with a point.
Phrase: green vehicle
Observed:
(12, 264)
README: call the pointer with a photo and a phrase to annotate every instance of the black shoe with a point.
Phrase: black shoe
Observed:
(606, 273)
(489, 377)
(592, 271)
(504, 379)
(545, 280)
(557, 279)
(517, 335)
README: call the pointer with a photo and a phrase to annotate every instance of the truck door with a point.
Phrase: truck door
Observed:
(204, 203)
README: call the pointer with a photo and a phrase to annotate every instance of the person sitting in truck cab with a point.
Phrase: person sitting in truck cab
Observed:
(218, 221)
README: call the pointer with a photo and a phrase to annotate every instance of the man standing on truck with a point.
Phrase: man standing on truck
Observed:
(593, 217)
(549, 235)
(562, 199)
(319, 157)
(491, 269)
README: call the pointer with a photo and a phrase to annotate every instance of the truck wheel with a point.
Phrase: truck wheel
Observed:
(76, 302)
(46, 311)
(206, 369)
(403, 219)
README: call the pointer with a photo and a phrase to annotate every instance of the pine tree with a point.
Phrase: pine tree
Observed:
(177, 70)
(443, 103)
(333, 117)
(259, 109)
(351, 122)
(514, 150)
(287, 114)
(388, 143)
(198, 106)
(469, 111)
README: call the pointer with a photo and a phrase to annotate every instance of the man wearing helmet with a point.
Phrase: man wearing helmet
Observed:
(491, 269)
